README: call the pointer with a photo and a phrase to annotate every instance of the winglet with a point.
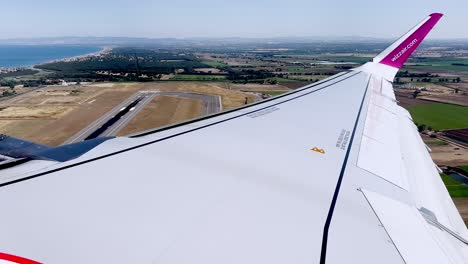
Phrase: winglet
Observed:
(397, 54)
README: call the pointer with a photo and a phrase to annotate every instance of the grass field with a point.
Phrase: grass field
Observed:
(436, 143)
(454, 187)
(340, 58)
(443, 64)
(215, 64)
(194, 77)
(295, 68)
(440, 116)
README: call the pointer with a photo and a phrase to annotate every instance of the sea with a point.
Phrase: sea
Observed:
(12, 56)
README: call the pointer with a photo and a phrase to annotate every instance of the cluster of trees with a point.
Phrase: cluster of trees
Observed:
(124, 64)
(440, 80)
(424, 77)
(9, 92)
(18, 73)
(26, 83)
(8, 83)
(416, 75)
(424, 127)
(249, 75)
(454, 80)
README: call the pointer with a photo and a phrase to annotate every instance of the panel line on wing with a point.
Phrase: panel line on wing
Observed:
(323, 252)
(380, 221)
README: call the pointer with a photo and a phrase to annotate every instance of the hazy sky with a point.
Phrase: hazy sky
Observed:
(217, 18)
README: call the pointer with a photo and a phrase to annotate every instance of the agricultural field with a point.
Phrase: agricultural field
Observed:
(440, 116)
(193, 77)
(215, 64)
(447, 64)
(454, 187)
(273, 93)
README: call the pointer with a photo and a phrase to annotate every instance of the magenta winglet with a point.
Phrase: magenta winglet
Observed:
(397, 57)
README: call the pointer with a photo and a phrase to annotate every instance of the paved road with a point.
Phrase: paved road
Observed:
(211, 104)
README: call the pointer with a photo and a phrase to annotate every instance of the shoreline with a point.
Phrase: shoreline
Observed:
(103, 50)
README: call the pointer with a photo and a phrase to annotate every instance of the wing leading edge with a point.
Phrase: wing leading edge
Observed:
(322, 174)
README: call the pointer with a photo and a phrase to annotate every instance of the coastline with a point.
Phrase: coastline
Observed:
(103, 50)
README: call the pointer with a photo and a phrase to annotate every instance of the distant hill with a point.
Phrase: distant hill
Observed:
(177, 41)
(191, 42)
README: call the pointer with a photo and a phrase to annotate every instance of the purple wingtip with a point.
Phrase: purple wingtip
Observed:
(400, 54)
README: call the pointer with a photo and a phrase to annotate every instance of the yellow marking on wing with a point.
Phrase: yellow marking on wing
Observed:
(321, 151)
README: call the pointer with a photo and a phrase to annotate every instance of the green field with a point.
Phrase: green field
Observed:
(447, 67)
(296, 68)
(436, 143)
(452, 64)
(194, 77)
(19, 73)
(340, 58)
(215, 64)
(440, 116)
(454, 187)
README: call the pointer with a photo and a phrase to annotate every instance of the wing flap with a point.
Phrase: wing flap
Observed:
(410, 236)
(380, 151)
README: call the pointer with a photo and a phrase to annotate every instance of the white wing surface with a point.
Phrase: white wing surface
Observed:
(334, 172)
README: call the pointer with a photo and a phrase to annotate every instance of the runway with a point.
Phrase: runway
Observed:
(113, 121)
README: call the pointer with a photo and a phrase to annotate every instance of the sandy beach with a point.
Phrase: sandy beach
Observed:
(103, 51)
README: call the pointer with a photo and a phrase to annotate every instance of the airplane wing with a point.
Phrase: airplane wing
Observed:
(334, 172)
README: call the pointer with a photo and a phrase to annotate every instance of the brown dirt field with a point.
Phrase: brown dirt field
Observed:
(463, 86)
(446, 155)
(167, 76)
(449, 155)
(207, 70)
(54, 95)
(81, 117)
(404, 99)
(25, 129)
(161, 111)
(295, 85)
(32, 112)
(4, 124)
(252, 87)
(436, 86)
(51, 123)
(462, 206)
(449, 99)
